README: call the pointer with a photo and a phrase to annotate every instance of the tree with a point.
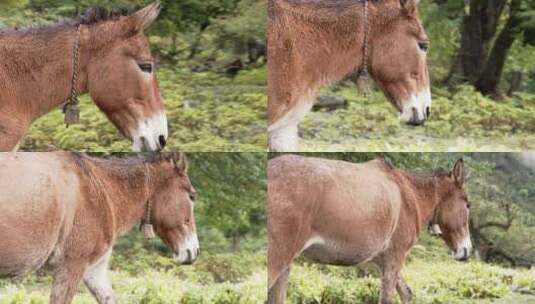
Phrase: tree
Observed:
(488, 30)
(232, 192)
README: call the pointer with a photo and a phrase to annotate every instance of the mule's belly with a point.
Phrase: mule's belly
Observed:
(337, 253)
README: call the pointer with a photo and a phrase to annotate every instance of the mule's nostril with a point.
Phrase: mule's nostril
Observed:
(162, 141)
(189, 255)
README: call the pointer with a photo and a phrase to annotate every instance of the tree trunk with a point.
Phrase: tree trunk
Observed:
(236, 242)
(491, 74)
(197, 43)
(478, 30)
(516, 82)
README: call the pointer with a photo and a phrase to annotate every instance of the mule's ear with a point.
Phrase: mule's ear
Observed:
(181, 164)
(458, 172)
(409, 7)
(145, 17)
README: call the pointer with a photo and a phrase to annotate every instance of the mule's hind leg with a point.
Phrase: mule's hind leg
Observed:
(66, 280)
(98, 282)
(277, 292)
(404, 291)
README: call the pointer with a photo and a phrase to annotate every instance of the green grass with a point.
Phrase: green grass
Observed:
(460, 121)
(432, 274)
(144, 272)
(229, 116)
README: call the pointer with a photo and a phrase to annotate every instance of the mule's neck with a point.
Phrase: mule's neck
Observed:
(424, 195)
(41, 68)
(134, 182)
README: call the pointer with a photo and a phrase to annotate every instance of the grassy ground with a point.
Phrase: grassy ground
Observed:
(143, 272)
(460, 121)
(206, 112)
(433, 276)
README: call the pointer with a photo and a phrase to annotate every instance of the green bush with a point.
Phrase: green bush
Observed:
(461, 120)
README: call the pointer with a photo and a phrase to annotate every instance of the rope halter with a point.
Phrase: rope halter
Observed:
(146, 224)
(363, 77)
(71, 108)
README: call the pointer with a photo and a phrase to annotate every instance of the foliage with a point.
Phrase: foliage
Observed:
(433, 277)
(462, 120)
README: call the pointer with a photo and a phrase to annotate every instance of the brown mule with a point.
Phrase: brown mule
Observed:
(114, 65)
(65, 211)
(312, 44)
(340, 213)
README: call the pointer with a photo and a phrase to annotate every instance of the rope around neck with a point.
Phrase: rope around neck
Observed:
(363, 74)
(71, 108)
(146, 225)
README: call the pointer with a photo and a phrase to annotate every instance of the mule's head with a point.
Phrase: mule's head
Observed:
(172, 211)
(451, 221)
(397, 60)
(122, 80)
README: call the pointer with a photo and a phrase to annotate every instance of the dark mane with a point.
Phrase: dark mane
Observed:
(95, 15)
(91, 16)
(126, 159)
(431, 173)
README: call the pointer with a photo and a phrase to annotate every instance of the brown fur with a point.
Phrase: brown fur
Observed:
(356, 213)
(65, 211)
(314, 43)
(37, 67)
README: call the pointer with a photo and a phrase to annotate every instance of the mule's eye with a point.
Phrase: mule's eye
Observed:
(146, 67)
(424, 45)
(468, 205)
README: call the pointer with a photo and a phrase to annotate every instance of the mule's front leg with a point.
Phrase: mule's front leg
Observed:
(277, 293)
(404, 291)
(390, 265)
(283, 132)
(284, 139)
(97, 280)
(66, 280)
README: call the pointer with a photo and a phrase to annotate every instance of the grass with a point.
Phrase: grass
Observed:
(144, 272)
(433, 276)
(463, 120)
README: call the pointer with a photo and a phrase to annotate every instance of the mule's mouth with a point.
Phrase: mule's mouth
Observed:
(417, 109)
(188, 251)
(464, 249)
(150, 134)
(462, 254)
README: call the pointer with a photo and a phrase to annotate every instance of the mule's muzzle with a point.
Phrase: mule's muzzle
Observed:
(464, 249)
(188, 251)
(416, 109)
(463, 257)
(416, 119)
(150, 135)
(192, 256)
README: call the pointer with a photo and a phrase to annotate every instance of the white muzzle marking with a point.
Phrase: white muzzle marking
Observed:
(464, 249)
(188, 251)
(149, 133)
(415, 110)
